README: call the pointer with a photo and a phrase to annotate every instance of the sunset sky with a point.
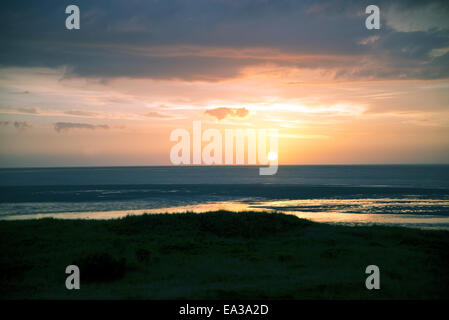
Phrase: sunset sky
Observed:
(111, 92)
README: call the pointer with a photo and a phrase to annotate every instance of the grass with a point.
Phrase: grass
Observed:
(219, 255)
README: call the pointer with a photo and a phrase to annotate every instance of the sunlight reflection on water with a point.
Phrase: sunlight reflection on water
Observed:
(412, 212)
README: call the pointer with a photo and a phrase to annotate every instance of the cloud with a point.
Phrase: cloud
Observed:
(155, 39)
(21, 125)
(66, 126)
(21, 92)
(80, 113)
(221, 113)
(28, 110)
(158, 115)
(417, 15)
(19, 110)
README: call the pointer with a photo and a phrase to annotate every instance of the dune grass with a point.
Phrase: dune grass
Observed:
(219, 255)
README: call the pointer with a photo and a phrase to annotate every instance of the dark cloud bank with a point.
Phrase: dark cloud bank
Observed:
(117, 38)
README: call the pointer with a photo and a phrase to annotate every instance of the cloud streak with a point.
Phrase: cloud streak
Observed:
(67, 126)
(80, 113)
(30, 110)
(157, 115)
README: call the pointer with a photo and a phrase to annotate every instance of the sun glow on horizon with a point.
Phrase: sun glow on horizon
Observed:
(272, 156)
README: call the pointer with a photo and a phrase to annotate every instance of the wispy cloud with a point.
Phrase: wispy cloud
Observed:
(80, 113)
(31, 110)
(66, 126)
(19, 110)
(158, 115)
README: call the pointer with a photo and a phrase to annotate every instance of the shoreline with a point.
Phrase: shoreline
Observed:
(424, 221)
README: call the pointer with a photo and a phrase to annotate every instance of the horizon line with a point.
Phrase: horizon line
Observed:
(224, 165)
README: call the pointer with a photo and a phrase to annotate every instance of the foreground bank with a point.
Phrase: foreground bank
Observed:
(219, 255)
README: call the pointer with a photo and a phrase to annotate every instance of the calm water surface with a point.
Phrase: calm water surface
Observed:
(408, 195)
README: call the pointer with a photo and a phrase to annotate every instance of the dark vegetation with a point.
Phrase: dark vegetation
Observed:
(217, 255)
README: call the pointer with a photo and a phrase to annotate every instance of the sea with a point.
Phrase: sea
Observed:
(414, 196)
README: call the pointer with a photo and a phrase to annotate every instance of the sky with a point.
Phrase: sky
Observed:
(110, 93)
